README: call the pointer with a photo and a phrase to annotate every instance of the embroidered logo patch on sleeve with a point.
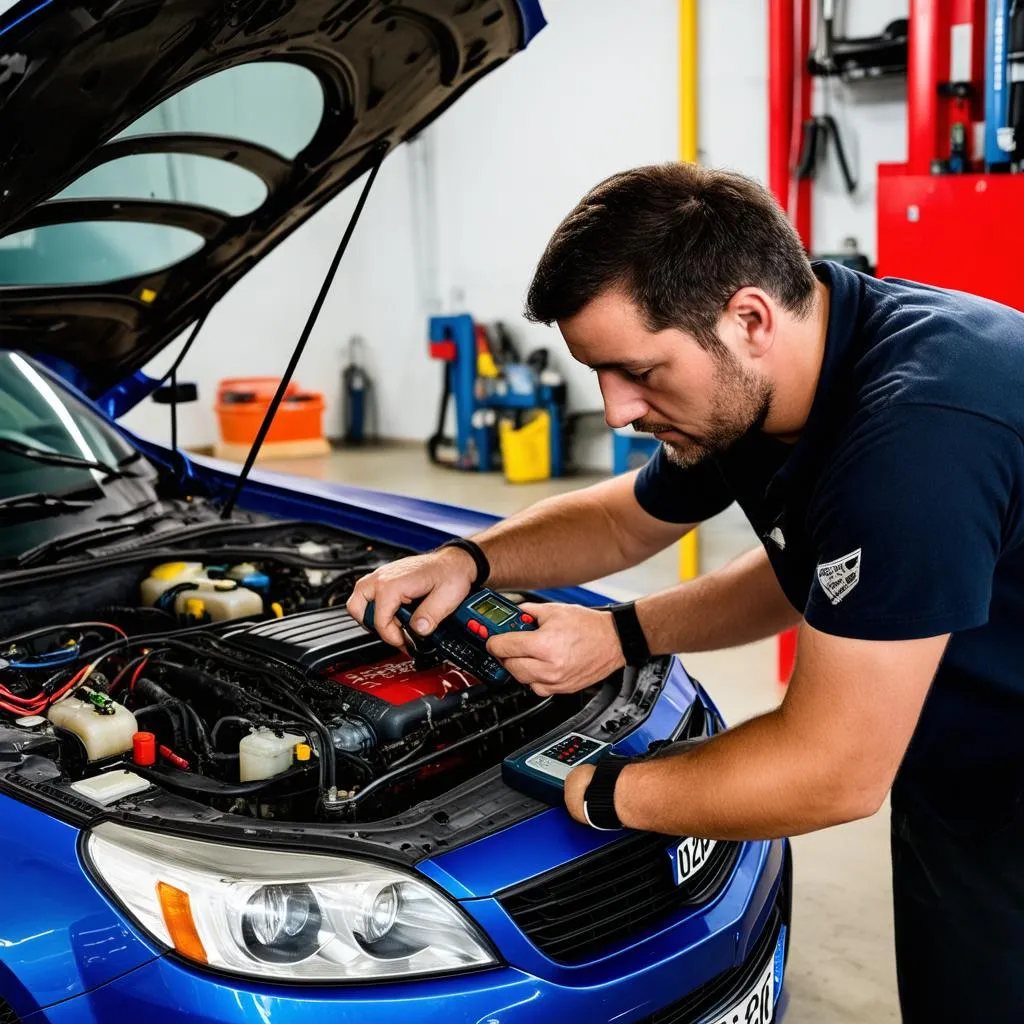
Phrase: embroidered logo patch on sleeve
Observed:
(838, 578)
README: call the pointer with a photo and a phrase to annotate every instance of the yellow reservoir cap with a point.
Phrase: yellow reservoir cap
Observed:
(167, 571)
(196, 607)
(303, 751)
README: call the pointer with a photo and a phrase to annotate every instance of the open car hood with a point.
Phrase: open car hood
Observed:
(77, 75)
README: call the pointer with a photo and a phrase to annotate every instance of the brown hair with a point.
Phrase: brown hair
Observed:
(680, 240)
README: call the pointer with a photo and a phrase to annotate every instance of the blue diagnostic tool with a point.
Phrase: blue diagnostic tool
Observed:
(463, 636)
(541, 773)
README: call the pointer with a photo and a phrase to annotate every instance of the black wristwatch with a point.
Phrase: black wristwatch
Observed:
(483, 566)
(599, 798)
(631, 635)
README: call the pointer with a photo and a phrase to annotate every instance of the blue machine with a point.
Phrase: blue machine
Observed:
(480, 400)
(625, 446)
(997, 85)
(1004, 84)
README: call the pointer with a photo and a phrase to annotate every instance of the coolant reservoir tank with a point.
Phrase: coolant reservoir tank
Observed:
(199, 595)
(104, 726)
(170, 574)
(263, 754)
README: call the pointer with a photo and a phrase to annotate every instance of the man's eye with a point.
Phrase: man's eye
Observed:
(638, 377)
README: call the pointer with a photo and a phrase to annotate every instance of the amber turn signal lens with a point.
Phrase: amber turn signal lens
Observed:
(178, 917)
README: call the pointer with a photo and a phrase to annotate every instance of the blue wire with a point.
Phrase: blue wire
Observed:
(47, 660)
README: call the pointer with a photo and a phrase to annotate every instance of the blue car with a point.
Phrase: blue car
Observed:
(222, 800)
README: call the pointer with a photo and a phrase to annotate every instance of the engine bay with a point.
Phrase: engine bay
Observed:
(232, 675)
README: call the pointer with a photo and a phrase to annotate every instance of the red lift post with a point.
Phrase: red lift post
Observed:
(790, 100)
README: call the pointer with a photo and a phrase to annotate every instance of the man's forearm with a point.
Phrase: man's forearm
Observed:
(760, 780)
(574, 538)
(737, 604)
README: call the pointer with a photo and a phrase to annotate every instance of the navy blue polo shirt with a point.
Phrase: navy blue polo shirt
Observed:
(897, 514)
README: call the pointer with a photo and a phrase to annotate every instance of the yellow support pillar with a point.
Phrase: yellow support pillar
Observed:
(688, 81)
(689, 546)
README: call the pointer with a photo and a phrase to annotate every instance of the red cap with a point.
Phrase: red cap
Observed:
(144, 748)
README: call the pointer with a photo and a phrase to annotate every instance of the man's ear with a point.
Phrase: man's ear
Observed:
(754, 314)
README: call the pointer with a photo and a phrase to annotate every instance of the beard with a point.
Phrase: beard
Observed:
(741, 401)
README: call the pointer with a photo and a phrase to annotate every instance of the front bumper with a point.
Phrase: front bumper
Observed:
(654, 975)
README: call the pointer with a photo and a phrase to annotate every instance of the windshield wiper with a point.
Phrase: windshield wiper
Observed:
(19, 505)
(49, 457)
(62, 545)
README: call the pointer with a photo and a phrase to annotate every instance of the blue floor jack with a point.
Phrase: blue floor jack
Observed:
(518, 388)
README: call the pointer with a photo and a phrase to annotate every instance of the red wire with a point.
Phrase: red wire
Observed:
(20, 706)
(137, 673)
(116, 682)
(72, 682)
(43, 701)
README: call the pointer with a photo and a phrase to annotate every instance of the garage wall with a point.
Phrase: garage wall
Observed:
(458, 220)
(872, 119)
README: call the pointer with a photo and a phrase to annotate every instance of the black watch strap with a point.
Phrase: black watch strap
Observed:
(483, 567)
(599, 798)
(631, 635)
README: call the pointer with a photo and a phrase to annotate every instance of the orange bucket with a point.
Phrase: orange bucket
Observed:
(242, 402)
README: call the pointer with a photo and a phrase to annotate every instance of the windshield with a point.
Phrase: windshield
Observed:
(39, 414)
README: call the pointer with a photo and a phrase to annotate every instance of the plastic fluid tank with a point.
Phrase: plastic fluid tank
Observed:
(222, 599)
(263, 754)
(104, 730)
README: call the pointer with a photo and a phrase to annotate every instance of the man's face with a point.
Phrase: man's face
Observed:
(697, 403)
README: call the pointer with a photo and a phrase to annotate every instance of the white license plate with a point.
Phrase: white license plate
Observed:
(757, 1006)
(691, 855)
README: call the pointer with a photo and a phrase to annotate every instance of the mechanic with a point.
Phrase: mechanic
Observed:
(871, 432)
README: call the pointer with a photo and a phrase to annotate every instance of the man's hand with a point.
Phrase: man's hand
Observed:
(442, 578)
(573, 648)
(576, 783)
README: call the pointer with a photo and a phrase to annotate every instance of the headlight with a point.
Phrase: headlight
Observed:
(271, 914)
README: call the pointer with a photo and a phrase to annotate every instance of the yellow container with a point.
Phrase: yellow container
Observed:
(526, 452)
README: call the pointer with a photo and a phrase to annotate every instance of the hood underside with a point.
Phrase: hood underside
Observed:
(75, 76)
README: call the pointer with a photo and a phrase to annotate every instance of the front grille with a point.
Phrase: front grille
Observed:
(7, 1014)
(595, 902)
(723, 990)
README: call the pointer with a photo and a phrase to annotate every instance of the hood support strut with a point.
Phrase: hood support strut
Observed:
(289, 372)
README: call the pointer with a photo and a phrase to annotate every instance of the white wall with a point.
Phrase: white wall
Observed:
(596, 92)
(253, 330)
(872, 119)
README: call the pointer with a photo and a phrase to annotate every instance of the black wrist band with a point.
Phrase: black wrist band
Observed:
(599, 798)
(631, 635)
(483, 567)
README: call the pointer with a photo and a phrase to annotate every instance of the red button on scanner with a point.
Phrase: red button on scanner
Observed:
(527, 618)
(482, 631)
(473, 626)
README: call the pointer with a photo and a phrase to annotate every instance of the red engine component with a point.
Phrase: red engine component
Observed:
(395, 697)
(398, 681)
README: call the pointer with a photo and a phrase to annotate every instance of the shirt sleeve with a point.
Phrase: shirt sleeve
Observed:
(676, 495)
(908, 523)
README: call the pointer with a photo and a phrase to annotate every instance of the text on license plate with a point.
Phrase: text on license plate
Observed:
(757, 1006)
(690, 856)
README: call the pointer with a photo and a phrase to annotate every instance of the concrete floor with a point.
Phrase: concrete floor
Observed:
(841, 967)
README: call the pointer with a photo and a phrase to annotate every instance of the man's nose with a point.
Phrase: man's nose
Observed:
(623, 402)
